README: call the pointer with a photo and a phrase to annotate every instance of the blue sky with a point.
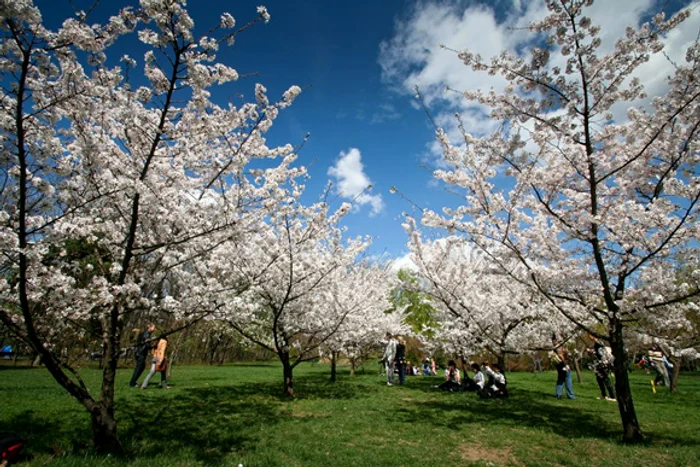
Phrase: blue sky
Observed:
(357, 62)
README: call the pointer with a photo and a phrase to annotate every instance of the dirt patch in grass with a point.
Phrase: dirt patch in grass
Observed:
(476, 453)
(296, 413)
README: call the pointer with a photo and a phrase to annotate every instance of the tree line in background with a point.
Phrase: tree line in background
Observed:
(130, 195)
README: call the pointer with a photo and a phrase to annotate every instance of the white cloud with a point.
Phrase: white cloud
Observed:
(385, 113)
(414, 56)
(403, 262)
(352, 182)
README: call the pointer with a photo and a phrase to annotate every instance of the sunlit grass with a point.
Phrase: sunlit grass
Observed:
(235, 414)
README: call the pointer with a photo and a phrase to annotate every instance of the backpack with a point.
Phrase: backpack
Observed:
(553, 358)
(10, 447)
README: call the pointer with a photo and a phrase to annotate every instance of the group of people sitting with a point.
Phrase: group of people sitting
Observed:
(488, 381)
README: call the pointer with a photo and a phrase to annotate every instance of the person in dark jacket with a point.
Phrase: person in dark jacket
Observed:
(560, 358)
(143, 345)
(401, 359)
(602, 366)
(452, 378)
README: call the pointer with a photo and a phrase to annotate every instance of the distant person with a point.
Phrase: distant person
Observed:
(656, 358)
(433, 370)
(452, 378)
(426, 367)
(389, 358)
(400, 359)
(560, 357)
(159, 363)
(602, 366)
(141, 348)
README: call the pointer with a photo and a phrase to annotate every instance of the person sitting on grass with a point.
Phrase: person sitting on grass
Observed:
(496, 386)
(426, 367)
(452, 378)
(475, 384)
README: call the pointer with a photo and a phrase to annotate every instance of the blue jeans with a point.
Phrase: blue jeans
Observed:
(402, 372)
(564, 377)
(163, 378)
(390, 372)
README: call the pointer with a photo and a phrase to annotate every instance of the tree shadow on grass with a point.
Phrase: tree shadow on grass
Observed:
(212, 422)
(523, 408)
(209, 422)
(529, 409)
(48, 434)
(318, 386)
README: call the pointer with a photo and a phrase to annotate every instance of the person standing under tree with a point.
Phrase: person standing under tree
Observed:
(389, 356)
(602, 366)
(143, 345)
(400, 359)
(560, 357)
(159, 363)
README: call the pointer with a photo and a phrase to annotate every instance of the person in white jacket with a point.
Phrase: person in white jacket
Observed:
(496, 386)
(389, 356)
(477, 382)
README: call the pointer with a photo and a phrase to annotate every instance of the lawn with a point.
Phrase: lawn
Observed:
(234, 414)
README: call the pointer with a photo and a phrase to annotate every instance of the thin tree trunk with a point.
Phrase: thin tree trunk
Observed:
(577, 367)
(631, 431)
(501, 360)
(352, 367)
(334, 368)
(676, 362)
(104, 425)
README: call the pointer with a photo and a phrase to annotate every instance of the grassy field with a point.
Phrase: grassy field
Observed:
(234, 414)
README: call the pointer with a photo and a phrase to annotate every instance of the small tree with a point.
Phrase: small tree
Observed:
(477, 306)
(593, 208)
(290, 267)
(362, 293)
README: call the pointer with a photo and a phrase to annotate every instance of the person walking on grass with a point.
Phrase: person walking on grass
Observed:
(159, 363)
(143, 345)
(389, 358)
(602, 366)
(560, 357)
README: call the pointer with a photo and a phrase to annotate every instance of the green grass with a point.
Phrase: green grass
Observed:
(234, 415)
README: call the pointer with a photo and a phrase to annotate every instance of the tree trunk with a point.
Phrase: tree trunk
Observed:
(352, 367)
(676, 362)
(577, 367)
(334, 368)
(501, 360)
(104, 426)
(104, 429)
(631, 431)
(288, 369)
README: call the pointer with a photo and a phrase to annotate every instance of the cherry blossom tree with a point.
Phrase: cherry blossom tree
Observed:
(362, 293)
(595, 208)
(477, 306)
(132, 161)
(290, 268)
